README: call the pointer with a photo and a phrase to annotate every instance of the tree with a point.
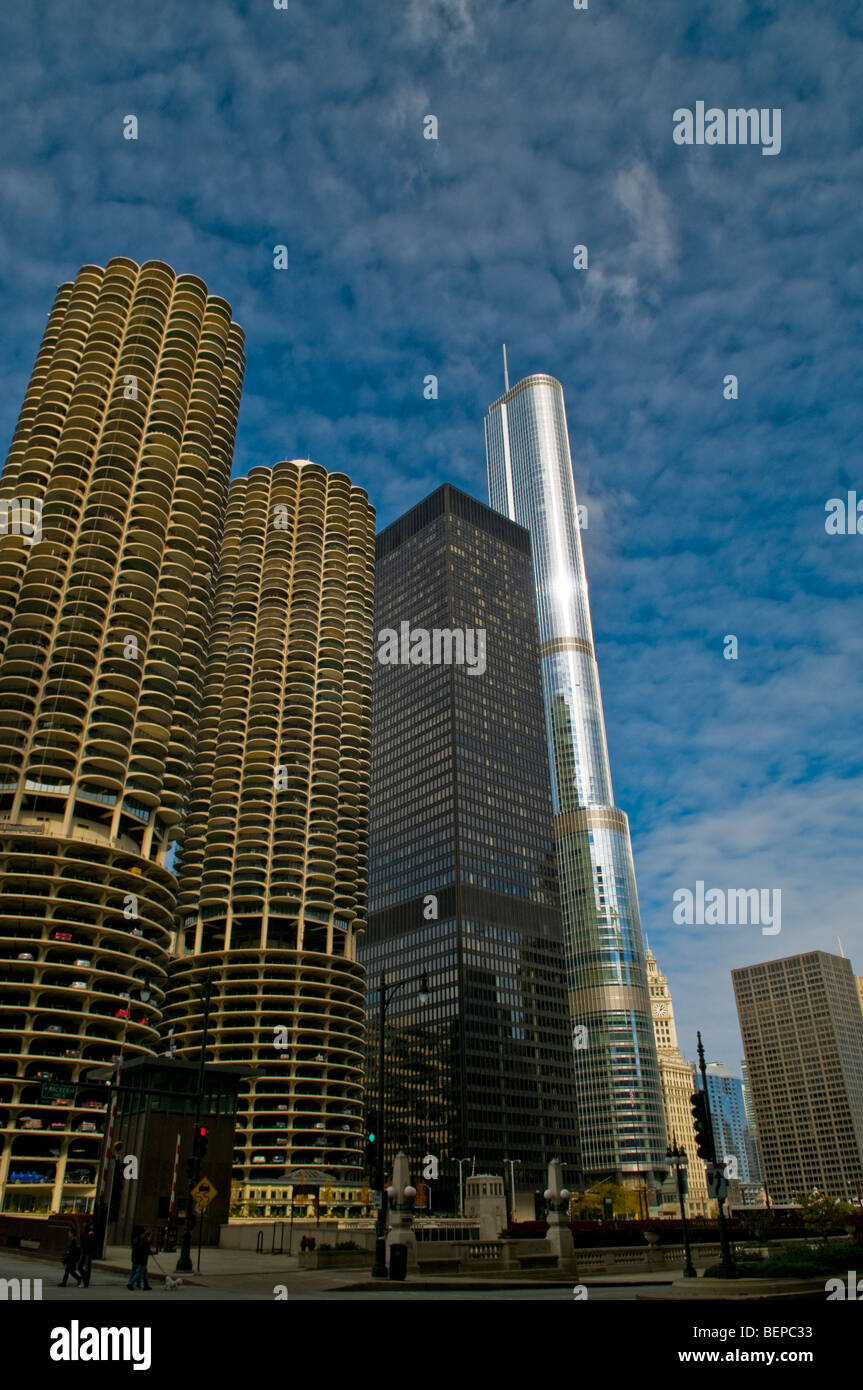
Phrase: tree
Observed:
(821, 1214)
(590, 1204)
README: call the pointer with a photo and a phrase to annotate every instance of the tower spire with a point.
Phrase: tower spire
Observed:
(505, 370)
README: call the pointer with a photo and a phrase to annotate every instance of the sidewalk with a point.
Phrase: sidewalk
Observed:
(219, 1266)
(213, 1261)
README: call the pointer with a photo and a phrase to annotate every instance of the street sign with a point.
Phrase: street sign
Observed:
(204, 1192)
(58, 1090)
(717, 1184)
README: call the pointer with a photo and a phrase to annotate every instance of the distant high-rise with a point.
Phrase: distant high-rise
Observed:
(620, 1108)
(273, 870)
(802, 1030)
(735, 1140)
(112, 499)
(676, 1077)
(751, 1133)
(462, 867)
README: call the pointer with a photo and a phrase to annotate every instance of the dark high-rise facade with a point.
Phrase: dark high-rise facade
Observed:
(463, 878)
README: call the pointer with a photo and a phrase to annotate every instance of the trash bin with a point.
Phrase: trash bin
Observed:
(398, 1261)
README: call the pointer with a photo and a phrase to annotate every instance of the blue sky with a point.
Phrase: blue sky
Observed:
(304, 127)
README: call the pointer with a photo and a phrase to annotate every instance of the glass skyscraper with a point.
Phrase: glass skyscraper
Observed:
(462, 864)
(731, 1128)
(621, 1123)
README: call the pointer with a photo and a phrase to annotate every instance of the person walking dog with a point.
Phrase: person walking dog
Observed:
(141, 1252)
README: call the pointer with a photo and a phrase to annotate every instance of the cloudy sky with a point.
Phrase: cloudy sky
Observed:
(304, 127)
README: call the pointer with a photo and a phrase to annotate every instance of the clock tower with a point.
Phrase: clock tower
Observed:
(676, 1078)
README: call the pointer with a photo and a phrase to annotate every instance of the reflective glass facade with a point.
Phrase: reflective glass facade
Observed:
(462, 866)
(618, 1086)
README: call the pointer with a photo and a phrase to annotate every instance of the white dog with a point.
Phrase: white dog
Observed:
(172, 1283)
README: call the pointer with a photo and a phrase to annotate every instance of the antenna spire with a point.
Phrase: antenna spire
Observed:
(505, 370)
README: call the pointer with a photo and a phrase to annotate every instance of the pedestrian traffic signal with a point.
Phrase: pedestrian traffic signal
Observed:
(702, 1126)
(199, 1148)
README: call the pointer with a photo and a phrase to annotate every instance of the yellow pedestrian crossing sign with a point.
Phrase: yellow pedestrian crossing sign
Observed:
(204, 1192)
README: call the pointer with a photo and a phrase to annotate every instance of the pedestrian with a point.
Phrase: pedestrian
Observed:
(137, 1233)
(88, 1250)
(70, 1258)
(141, 1252)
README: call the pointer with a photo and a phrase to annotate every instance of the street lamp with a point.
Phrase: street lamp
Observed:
(460, 1161)
(387, 990)
(678, 1157)
(512, 1162)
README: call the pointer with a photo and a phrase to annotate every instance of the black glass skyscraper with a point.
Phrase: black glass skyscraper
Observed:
(463, 880)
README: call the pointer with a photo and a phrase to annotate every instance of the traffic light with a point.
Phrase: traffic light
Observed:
(701, 1125)
(202, 1135)
(192, 1169)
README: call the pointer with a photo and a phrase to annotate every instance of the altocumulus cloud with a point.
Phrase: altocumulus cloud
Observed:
(410, 257)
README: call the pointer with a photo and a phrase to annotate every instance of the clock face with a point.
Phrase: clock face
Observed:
(660, 1010)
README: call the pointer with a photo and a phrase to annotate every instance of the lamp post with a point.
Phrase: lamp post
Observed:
(387, 990)
(512, 1162)
(460, 1161)
(678, 1158)
(185, 1260)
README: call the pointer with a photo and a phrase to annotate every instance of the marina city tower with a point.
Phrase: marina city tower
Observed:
(112, 502)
